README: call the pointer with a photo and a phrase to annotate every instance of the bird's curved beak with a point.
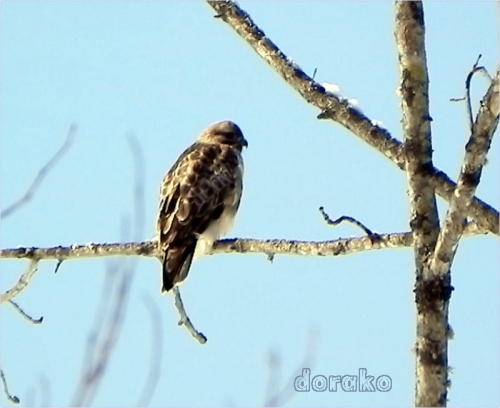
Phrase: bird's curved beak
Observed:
(245, 143)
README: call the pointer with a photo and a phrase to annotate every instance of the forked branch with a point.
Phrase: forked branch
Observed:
(338, 109)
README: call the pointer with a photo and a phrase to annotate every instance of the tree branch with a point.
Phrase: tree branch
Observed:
(10, 397)
(432, 323)
(338, 109)
(417, 147)
(185, 320)
(343, 246)
(156, 353)
(234, 245)
(468, 81)
(343, 218)
(102, 350)
(23, 281)
(28, 195)
(279, 397)
(103, 338)
(24, 314)
(475, 157)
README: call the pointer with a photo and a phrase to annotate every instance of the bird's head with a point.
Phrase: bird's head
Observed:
(225, 132)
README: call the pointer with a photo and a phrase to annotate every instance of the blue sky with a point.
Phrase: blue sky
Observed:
(164, 71)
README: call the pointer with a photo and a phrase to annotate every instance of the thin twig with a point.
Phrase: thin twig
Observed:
(138, 187)
(28, 195)
(10, 397)
(102, 316)
(92, 378)
(58, 265)
(467, 93)
(45, 391)
(281, 396)
(23, 281)
(103, 342)
(156, 353)
(274, 378)
(26, 315)
(468, 81)
(467, 98)
(185, 321)
(343, 218)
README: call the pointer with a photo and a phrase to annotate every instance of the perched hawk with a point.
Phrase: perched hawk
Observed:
(199, 198)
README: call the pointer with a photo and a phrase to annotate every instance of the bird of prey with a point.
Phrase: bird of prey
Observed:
(199, 198)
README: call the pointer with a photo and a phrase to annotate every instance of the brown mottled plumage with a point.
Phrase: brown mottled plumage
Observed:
(199, 198)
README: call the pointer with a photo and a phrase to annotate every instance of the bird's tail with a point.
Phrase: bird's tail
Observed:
(176, 262)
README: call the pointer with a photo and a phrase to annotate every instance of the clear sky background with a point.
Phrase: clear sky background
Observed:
(164, 71)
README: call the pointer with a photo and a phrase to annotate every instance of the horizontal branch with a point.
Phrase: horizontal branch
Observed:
(242, 245)
(344, 246)
(338, 109)
(269, 247)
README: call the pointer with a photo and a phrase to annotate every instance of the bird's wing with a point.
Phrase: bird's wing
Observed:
(201, 184)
